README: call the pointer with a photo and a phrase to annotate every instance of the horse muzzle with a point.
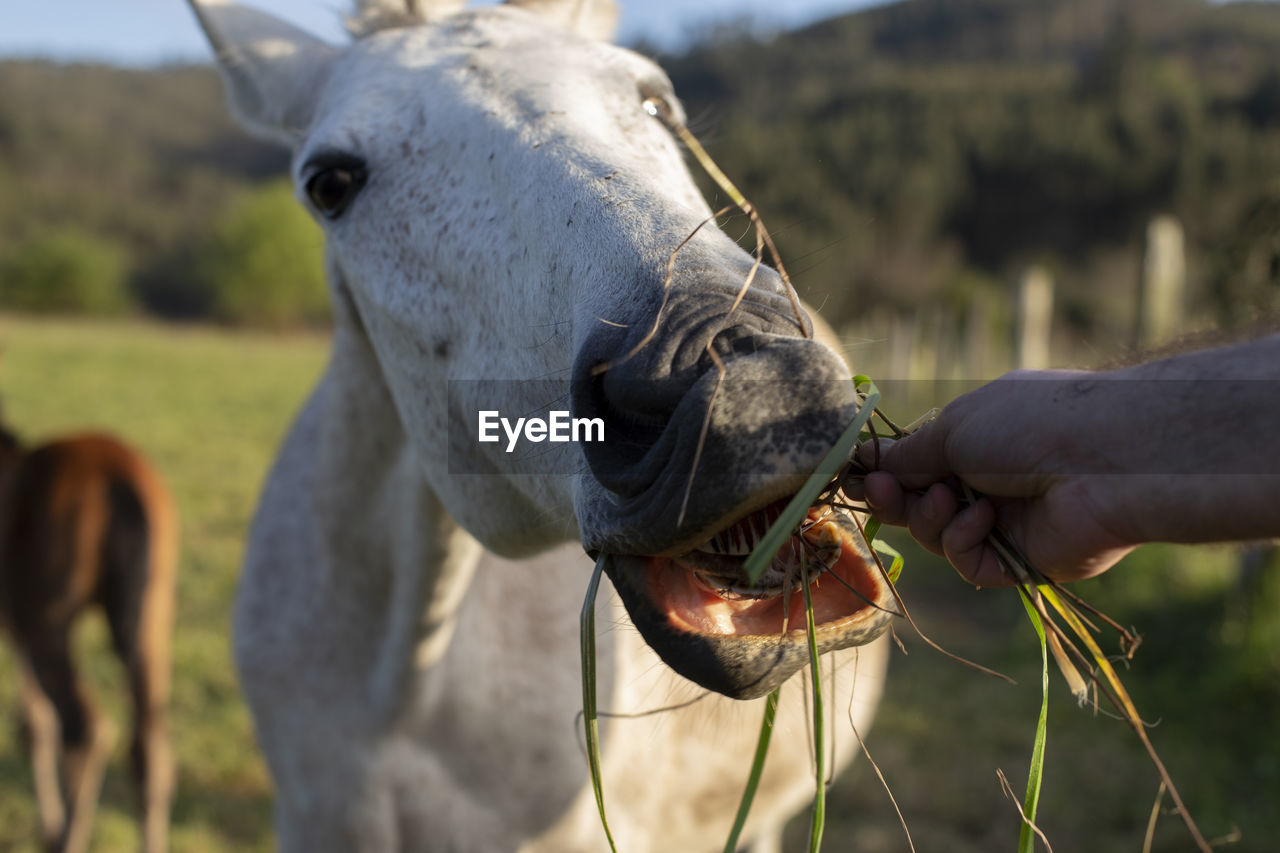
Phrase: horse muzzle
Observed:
(706, 435)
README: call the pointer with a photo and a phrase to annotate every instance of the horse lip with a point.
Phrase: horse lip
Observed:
(741, 666)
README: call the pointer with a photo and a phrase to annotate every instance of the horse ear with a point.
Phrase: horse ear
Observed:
(272, 69)
(597, 19)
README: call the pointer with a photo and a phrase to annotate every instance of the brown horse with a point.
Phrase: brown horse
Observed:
(85, 520)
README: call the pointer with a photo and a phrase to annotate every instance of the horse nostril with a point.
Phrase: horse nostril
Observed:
(624, 409)
(631, 430)
(737, 342)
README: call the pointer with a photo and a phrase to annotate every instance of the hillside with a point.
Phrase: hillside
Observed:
(935, 147)
(924, 151)
(141, 160)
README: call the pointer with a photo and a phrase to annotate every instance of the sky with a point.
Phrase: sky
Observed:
(147, 32)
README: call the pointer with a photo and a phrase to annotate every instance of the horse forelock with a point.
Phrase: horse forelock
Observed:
(371, 16)
(594, 18)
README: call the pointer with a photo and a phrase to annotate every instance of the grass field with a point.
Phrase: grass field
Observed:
(210, 407)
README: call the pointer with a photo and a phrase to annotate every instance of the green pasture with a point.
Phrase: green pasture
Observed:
(210, 407)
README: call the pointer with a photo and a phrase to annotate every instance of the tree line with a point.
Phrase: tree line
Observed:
(927, 150)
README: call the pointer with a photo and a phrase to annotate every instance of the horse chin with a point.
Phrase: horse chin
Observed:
(743, 640)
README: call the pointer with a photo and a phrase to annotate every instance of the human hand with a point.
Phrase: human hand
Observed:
(1024, 444)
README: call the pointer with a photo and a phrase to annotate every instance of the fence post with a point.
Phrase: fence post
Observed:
(979, 361)
(1034, 320)
(1164, 275)
(902, 341)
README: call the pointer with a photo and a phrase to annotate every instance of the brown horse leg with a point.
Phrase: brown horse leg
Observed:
(42, 726)
(139, 602)
(86, 738)
(85, 766)
(151, 753)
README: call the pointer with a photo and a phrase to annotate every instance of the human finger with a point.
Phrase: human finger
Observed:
(917, 460)
(964, 543)
(885, 498)
(929, 514)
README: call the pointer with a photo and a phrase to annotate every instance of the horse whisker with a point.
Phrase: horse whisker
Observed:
(702, 435)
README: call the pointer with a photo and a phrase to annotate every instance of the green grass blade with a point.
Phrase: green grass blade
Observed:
(887, 550)
(757, 768)
(798, 508)
(869, 532)
(590, 719)
(819, 817)
(1026, 839)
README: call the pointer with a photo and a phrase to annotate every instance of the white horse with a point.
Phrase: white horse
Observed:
(500, 207)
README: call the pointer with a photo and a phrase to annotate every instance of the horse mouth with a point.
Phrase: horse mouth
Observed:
(708, 621)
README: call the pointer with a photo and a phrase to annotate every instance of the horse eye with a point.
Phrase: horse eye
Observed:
(660, 108)
(332, 189)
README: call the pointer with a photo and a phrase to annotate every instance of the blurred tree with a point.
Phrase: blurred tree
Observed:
(892, 151)
(1244, 270)
(1262, 106)
(899, 149)
(65, 271)
(264, 263)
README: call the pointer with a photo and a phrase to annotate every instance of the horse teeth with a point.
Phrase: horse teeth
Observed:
(739, 539)
(717, 544)
(824, 538)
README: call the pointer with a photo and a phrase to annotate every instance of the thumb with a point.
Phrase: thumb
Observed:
(916, 460)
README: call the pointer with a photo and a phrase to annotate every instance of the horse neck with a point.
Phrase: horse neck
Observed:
(398, 558)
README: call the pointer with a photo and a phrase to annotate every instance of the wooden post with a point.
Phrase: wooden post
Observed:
(979, 362)
(926, 344)
(1164, 276)
(902, 339)
(947, 364)
(1035, 319)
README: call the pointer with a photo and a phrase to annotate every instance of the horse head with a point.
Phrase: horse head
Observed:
(511, 224)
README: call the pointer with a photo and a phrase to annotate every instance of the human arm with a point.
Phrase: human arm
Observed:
(1080, 467)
